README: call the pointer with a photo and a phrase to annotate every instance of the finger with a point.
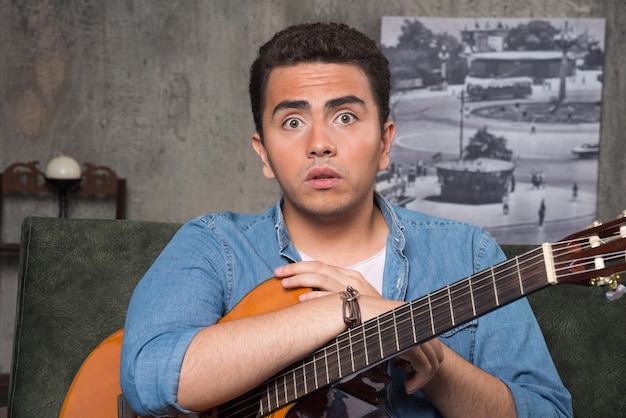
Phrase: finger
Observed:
(414, 381)
(433, 352)
(300, 267)
(315, 274)
(315, 281)
(424, 362)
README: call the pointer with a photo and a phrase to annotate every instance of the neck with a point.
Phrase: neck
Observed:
(342, 240)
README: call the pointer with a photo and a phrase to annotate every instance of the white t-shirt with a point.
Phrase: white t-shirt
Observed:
(372, 268)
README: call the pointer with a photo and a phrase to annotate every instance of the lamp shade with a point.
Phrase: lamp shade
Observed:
(63, 167)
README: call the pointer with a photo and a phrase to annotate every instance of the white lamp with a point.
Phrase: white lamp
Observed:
(63, 167)
(63, 174)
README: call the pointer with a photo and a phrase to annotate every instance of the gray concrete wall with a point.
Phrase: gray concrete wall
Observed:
(157, 90)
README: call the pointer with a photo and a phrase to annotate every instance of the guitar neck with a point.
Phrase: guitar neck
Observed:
(396, 331)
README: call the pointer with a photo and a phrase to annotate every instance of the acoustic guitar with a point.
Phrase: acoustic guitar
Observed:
(343, 378)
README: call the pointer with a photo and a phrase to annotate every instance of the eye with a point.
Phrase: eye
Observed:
(292, 123)
(346, 118)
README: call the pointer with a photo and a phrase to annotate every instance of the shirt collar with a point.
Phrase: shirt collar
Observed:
(287, 249)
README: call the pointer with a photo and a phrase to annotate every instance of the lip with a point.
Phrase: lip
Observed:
(322, 178)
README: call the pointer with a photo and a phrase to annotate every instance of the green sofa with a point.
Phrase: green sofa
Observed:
(76, 277)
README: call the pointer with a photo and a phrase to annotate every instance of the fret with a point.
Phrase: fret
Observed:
(432, 319)
(483, 291)
(269, 398)
(405, 327)
(359, 351)
(423, 318)
(508, 286)
(351, 351)
(441, 312)
(316, 361)
(285, 392)
(373, 342)
(412, 315)
(333, 364)
(462, 302)
(281, 395)
(294, 383)
(495, 286)
(338, 351)
(395, 329)
(469, 281)
(450, 305)
(389, 333)
(371, 339)
(326, 366)
(365, 345)
(304, 374)
(380, 340)
(519, 276)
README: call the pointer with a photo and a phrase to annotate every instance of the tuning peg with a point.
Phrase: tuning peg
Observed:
(617, 293)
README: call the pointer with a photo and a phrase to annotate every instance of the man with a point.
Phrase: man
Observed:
(320, 101)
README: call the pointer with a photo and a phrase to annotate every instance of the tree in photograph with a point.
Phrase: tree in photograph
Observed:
(417, 55)
(486, 145)
(536, 35)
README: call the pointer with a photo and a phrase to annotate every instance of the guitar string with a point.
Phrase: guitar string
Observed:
(558, 251)
(334, 352)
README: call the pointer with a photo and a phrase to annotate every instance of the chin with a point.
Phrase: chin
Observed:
(329, 208)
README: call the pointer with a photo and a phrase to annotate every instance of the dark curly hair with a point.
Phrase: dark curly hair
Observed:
(332, 43)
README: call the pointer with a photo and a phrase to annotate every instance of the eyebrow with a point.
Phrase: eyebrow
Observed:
(340, 101)
(291, 104)
(330, 104)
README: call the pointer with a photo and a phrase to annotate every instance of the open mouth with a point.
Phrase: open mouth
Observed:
(322, 178)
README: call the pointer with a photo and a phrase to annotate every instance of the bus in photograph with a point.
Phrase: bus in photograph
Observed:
(505, 74)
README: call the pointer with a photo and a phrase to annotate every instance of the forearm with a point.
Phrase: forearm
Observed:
(460, 389)
(226, 360)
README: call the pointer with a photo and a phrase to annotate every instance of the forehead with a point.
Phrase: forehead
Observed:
(316, 81)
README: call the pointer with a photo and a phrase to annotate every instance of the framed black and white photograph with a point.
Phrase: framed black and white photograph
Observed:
(497, 122)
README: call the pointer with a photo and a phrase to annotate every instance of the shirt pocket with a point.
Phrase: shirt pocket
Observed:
(462, 339)
(468, 326)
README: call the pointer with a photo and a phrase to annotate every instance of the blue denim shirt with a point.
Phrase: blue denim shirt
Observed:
(215, 260)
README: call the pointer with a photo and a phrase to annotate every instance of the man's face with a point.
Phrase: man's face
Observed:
(322, 138)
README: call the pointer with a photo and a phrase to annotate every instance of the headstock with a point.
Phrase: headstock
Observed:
(594, 257)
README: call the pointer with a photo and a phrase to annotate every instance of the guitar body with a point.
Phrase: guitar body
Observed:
(96, 386)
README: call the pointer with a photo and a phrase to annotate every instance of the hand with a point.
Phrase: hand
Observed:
(323, 278)
(420, 364)
(328, 281)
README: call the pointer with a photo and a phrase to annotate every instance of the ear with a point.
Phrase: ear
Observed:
(389, 131)
(259, 148)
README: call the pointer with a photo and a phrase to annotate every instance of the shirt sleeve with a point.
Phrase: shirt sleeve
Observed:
(177, 297)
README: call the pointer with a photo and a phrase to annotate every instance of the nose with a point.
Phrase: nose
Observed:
(321, 144)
